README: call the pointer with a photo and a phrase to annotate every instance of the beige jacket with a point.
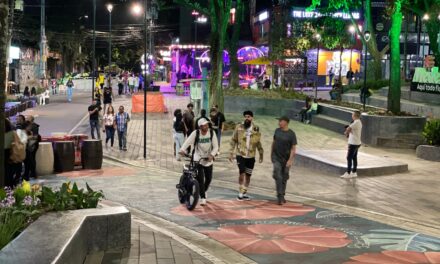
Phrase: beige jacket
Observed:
(238, 142)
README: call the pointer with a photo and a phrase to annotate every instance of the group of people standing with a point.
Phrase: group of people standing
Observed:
(21, 145)
(129, 83)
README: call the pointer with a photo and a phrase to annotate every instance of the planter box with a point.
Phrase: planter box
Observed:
(67, 237)
(262, 106)
(428, 152)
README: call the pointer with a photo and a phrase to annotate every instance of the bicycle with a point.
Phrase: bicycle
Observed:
(188, 187)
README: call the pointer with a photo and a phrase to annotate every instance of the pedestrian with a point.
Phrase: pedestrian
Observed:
(266, 84)
(34, 138)
(10, 166)
(22, 134)
(109, 125)
(108, 97)
(125, 83)
(136, 83)
(354, 133)
(218, 123)
(122, 119)
(203, 115)
(70, 86)
(120, 85)
(205, 147)
(33, 91)
(350, 75)
(131, 83)
(179, 132)
(101, 79)
(94, 109)
(282, 156)
(331, 74)
(245, 141)
(313, 110)
(26, 93)
(188, 119)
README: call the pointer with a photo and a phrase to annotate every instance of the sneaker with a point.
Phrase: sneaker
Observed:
(280, 200)
(202, 202)
(354, 175)
(240, 197)
(346, 175)
(246, 198)
(284, 200)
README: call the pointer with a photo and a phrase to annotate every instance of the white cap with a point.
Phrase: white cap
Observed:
(202, 122)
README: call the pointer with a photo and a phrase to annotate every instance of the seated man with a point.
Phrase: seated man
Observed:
(312, 111)
(43, 97)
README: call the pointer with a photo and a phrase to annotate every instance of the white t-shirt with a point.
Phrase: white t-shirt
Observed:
(248, 140)
(204, 147)
(354, 138)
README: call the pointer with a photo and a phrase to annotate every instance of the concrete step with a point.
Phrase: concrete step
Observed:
(334, 162)
(330, 123)
(336, 112)
(403, 141)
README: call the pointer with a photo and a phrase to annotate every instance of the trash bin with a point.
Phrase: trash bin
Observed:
(44, 159)
(64, 156)
(91, 154)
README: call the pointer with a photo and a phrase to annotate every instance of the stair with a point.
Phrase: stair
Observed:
(330, 123)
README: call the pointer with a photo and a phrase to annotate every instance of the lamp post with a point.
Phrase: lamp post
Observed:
(318, 39)
(94, 50)
(195, 14)
(425, 18)
(352, 30)
(137, 10)
(367, 36)
(110, 9)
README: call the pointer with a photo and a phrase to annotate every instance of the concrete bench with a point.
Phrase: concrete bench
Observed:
(67, 237)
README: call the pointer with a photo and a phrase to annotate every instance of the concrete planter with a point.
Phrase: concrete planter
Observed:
(393, 131)
(428, 152)
(261, 106)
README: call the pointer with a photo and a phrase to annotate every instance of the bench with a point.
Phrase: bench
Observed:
(67, 237)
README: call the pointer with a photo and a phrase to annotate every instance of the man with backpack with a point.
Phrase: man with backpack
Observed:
(205, 147)
(245, 141)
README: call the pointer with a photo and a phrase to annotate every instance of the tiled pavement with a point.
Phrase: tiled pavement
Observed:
(411, 195)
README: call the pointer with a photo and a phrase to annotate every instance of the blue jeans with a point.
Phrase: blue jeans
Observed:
(109, 134)
(179, 138)
(122, 138)
(352, 161)
(309, 115)
(218, 133)
(69, 93)
(94, 124)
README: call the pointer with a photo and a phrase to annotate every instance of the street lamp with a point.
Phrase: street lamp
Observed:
(425, 18)
(367, 36)
(110, 9)
(318, 39)
(94, 50)
(137, 10)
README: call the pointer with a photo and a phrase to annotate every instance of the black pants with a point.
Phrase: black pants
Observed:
(352, 161)
(204, 177)
(120, 87)
(30, 165)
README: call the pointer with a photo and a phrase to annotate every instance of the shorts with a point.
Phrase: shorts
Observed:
(245, 165)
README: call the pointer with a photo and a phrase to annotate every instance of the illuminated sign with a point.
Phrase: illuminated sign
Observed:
(14, 53)
(263, 16)
(314, 14)
(426, 81)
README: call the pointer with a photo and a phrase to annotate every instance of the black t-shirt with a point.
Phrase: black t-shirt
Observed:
(95, 115)
(218, 120)
(267, 83)
(107, 95)
(283, 142)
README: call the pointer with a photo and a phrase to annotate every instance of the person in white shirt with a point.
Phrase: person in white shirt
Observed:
(353, 132)
(109, 125)
(136, 83)
(131, 83)
(43, 97)
(205, 147)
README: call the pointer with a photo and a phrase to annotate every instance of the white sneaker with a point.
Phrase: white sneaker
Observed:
(346, 175)
(203, 202)
(354, 175)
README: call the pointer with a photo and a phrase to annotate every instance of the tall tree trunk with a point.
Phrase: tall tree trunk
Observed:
(340, 64)
(433, 30)
(4, 41)
(396, 27)
(234, 78)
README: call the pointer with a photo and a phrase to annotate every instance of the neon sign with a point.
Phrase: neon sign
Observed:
(315, 14)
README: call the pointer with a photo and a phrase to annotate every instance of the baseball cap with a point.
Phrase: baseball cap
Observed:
(202, 122)
(284, 118)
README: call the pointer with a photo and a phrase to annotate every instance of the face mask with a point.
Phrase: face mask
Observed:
(247, 123)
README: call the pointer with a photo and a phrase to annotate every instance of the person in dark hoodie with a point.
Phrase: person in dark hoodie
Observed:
(35, 138)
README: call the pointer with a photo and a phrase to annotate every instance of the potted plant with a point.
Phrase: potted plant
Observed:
(431, 133)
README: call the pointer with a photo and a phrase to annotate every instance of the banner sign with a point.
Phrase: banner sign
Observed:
(426, 81)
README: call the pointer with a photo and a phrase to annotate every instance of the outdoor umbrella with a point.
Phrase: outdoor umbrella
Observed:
(258, 61)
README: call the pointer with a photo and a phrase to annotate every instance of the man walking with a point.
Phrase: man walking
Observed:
(282, 155)
(353, 132)
(122, 119)
(246, 139)
(205, 147)
(218, 122)
(35, 138)
(94, 119)
(188, 119)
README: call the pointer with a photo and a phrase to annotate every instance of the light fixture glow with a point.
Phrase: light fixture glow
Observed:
(425, 17)
(136, 9)
(263, 16)
(110, 7)
(351, 29)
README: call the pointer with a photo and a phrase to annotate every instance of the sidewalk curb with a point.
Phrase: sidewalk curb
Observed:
(193, 240)
(423, 227)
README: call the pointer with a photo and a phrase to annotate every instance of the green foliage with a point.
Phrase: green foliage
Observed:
(431, 132)
(10, 225)
(371, 85)
(271, 94)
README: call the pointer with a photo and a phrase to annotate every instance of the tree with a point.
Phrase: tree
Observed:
(234, 78)
(4, 42)
(218, 11)
(349, 7)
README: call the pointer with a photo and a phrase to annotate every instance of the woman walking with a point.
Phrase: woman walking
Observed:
(179, 132)
(109, 126)
(108, 97)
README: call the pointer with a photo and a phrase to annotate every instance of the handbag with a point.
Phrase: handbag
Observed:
(18, 150)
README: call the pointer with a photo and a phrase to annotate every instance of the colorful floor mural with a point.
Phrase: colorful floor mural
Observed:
(296, 233)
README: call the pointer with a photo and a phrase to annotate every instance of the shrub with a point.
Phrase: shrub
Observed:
(271, 94)
(371, 84)
(431, 132)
